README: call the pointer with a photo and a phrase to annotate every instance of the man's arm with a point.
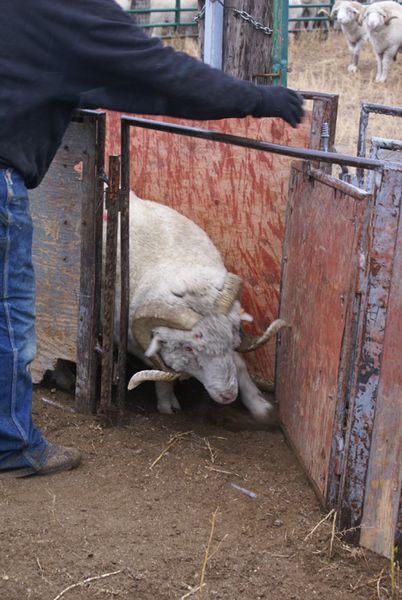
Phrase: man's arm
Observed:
(112, 61)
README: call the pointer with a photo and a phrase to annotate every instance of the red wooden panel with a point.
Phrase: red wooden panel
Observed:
(237, 195)
(323, 231)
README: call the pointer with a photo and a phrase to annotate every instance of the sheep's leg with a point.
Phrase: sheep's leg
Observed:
(310, 24)
(355, 52)
(387, 59)
(379, 67)
(250, 395)
(167, 401)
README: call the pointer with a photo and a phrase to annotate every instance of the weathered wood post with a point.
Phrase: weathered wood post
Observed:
(252, 40)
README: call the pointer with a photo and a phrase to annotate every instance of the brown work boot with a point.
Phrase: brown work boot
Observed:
(58, 458)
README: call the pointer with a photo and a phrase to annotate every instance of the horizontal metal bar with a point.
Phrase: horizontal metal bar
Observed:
(172, 24)
(387, 143)
(310, 5)
(146, 11)
(393, 111)
(309, 19)
(215, 136)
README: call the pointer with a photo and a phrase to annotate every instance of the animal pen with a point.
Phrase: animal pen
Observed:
(324, 254)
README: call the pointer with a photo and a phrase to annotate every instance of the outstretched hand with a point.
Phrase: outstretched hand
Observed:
(280, 102)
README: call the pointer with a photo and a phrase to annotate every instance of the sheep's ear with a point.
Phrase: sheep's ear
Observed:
(335, 8)
(154, 346)
(361, 17)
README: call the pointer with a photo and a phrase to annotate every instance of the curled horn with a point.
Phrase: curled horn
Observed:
(142, 376)
(156, 314)
(388, 16)
(249, 343)
(228, 294)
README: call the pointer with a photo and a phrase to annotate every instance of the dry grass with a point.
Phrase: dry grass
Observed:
(318, 65)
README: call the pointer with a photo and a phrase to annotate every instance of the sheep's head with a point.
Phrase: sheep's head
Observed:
(375, 17)
(206, 352)
(179, 341)
(346, 12)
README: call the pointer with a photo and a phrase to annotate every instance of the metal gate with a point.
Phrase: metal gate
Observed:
(339, 376)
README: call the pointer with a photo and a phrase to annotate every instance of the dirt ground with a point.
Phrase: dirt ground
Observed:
(118, 528)
(142, 531)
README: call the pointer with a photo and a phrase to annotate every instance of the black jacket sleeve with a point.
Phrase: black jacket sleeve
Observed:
(115, 65)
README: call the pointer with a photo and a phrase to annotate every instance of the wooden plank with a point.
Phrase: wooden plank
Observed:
(248, 52)
(106, 410)
(369, 361)
(384, 476)
(89, 323)
(237, 195)
(56, 212)
(320, 266)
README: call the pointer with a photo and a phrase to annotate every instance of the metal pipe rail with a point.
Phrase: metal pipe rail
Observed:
(293, 152)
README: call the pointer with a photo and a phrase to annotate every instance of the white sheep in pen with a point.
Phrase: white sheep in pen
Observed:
(383, 21)
(347, 13)
(170, 17)
(185, 313)
(125, 4)
(301, 9)
(295, 13)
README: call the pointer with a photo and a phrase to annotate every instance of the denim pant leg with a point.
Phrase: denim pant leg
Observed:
(21, 444)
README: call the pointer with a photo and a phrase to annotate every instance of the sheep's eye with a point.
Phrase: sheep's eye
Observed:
(188, 348)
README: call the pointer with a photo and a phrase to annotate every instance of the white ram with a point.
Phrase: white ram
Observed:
(125, 4)
(296, 10)
(171, 17)
(347, 14)
(302, 9)
(185, 313)
(383, 21)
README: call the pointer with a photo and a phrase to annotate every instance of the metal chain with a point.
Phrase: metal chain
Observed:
(249, 19)
(242, 14)
(200, 15)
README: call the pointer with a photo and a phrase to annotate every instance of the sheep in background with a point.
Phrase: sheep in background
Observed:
(125, 4)
(295, 13)
(170, 17)
(304, 10)
(347, 14)
(383, 21)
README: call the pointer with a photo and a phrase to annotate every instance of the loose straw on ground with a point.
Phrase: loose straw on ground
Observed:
(331, 512)
(212, 452)
(208, 554)
(173, 440)
(332, 535)
(84, 581)
(204, 565)
(191, 592)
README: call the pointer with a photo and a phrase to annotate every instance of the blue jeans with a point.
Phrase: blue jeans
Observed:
(21, 444)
